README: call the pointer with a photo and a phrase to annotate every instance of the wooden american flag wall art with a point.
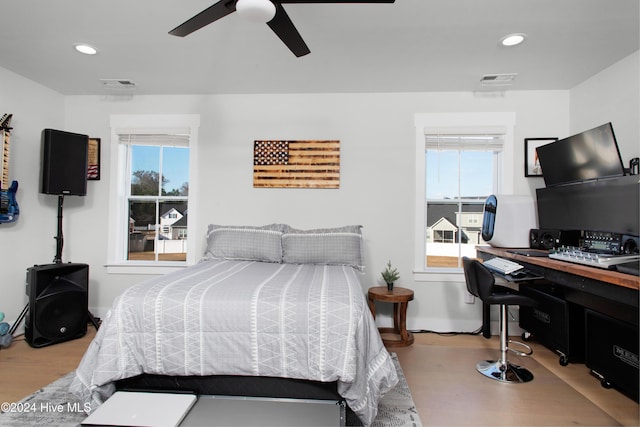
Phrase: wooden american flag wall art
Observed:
(296, 164)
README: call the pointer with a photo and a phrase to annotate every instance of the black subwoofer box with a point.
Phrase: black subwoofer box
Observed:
(58, 303)
(612, 351)
(554, 322)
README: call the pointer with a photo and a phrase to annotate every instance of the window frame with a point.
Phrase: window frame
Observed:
(454, 123)
(117, 262)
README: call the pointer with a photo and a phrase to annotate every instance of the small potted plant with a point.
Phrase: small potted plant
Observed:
(390, 275)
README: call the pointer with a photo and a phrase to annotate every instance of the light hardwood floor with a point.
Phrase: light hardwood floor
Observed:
(447, 390)
(440, 371)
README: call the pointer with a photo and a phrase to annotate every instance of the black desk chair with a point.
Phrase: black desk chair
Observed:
(481, 284)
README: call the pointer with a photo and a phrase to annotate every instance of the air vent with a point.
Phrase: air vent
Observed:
(493, 80)
(118, 84)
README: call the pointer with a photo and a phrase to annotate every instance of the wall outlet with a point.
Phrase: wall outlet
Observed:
(469, 299)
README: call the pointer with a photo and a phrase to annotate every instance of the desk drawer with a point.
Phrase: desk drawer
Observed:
(612, 351)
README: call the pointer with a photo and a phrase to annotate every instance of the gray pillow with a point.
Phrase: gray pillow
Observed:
(332, 246)
(246, 243)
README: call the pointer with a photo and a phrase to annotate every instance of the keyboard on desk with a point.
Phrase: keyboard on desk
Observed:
(503, 266)
(593, 259)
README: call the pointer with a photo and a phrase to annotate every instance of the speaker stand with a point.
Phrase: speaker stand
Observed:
(59, 237)
(94, 321)
(57, 259)
(19, 319)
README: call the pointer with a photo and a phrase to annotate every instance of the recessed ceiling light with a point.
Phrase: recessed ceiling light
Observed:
(513, 39)
(86, 49)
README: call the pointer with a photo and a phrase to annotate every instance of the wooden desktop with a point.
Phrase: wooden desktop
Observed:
(582, 271)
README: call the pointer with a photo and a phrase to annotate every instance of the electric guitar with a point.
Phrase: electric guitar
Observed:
(9, 210)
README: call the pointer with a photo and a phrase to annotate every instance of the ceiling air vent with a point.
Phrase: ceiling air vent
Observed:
(118, 84)
(495, 80)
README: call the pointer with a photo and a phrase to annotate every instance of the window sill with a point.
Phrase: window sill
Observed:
(439, 275)
(143, 268)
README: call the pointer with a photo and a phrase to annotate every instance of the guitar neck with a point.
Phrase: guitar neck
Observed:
(5, 133)
(4, 163)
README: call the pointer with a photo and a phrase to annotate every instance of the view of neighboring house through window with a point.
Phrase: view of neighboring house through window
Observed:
(461, 171)
(158, 191)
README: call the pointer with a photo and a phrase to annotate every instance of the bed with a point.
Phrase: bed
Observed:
(269, 310)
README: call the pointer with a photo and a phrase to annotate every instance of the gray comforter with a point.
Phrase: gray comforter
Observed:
(243, 318)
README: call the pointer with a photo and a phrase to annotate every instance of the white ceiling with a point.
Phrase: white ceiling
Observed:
(410, 45)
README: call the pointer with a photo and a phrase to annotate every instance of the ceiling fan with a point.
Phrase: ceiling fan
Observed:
(269, 11)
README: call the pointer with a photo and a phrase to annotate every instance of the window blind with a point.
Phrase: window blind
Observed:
(484, 142)
(168, 140)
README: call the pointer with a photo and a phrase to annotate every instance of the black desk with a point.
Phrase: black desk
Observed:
(605, 291)
(608, 301)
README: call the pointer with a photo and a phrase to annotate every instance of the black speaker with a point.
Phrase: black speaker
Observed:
(542, 238)
(554, 322)
(612, 351)
(64, 163)
(58, 303)
(630, 244)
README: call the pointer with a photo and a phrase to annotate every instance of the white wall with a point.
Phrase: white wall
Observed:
(29, 240)
(377, 173)
(611, 96)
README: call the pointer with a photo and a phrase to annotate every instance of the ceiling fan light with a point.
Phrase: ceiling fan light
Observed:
(256, 10)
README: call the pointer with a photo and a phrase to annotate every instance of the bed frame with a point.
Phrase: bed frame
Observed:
(235, 385)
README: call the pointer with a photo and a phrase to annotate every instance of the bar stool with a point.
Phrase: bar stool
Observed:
(481, 284)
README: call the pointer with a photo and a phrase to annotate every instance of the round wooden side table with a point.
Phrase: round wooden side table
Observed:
(398, 336)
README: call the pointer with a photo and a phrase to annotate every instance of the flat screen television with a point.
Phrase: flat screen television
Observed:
(592, 154)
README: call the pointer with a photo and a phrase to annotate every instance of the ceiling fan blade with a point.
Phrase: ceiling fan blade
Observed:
(204, 18)
(283, 27)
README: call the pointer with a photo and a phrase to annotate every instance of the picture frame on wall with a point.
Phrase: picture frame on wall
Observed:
(296, 164)
(93, 164)
(531, 161)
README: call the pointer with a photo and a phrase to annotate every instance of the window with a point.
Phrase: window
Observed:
(152, 192)
(461, 172)
(158, 184)
(459, 163)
